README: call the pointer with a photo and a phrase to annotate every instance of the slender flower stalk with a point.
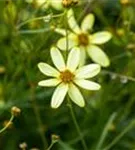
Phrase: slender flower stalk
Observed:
(15, 111)
(67, 77)
(77, 126)
(8, 124)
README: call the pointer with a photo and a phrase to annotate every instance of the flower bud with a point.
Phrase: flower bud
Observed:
(69, 3)
(55, 138)
(23, 146)
(15, 111)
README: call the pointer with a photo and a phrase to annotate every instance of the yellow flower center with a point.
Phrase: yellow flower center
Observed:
(66, 76)
(83, 39)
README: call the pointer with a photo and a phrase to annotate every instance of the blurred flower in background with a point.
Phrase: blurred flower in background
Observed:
(86, 42)
(44, 4)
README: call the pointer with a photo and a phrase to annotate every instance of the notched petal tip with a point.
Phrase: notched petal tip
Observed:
(60, 31)
(39, 83)
(98, 56)
(76, 96)
(101, 37)
(72, 21)
(54, 106)
(40, 64)
(48, 70)
(98, 68)
(88, 22)
(109, 34)
(70, 12)
(88, 71)
(49, 82)
(54, 48)
(82, 105)
(88, 85)
(99, 87)
(107, 64)
(57, 58)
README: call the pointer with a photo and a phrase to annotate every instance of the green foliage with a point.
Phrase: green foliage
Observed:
(107, 121)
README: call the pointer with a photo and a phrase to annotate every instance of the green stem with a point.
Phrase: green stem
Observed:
(38, 18)
(50, 146)
(119, 75)
(39, 121)
(100, 15)
(105, 131)
(129, 127)
(34, 31)
(77, 126)
(8, 124)
(67, 43)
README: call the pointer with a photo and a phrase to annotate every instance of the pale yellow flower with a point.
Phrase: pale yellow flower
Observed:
(56, 4)
(67, 77)
(81, 38)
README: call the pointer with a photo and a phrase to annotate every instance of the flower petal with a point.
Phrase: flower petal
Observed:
(48, 70)
(100, 37)
(49, 82)
(44, 3)
(88, 85)
(98, 56)
(88, 22)
(60, 31)
(72, 22)
(57, 59)
(63, 44)
(76, 95)
(59, 95)
(73, 59)
(56, 4)
(82, 56)
(87, 71)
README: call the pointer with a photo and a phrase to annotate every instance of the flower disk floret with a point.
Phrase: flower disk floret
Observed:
(67, 77)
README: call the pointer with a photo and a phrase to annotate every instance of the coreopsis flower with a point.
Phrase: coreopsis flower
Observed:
(67, 77)
(125, 2)
(81, 38)
(56, 4)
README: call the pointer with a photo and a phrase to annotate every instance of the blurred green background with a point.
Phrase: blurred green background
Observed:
(22, 47)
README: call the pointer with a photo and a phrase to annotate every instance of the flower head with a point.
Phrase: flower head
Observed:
(56, 4)
(69, 3)
(67, 77)
(81, 38)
